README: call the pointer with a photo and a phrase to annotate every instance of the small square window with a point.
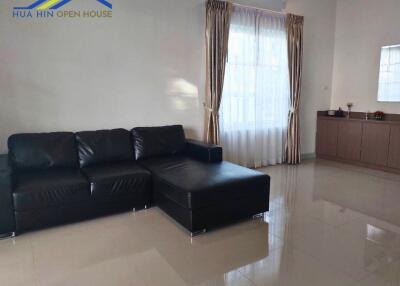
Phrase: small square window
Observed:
(389, 74)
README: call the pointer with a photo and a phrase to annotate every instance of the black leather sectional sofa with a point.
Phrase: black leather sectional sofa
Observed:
(55, 178)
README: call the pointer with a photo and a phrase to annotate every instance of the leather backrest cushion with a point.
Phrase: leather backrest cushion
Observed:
(43, 151)
(157, 141)
(104, 146)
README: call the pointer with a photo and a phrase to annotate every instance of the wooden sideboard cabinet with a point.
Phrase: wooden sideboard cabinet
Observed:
(375, 144)
(327, 137)
(394, 148)
(349, 140)
(368, 143)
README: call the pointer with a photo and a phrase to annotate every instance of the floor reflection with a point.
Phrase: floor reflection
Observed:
(345, 217)
(329, 224)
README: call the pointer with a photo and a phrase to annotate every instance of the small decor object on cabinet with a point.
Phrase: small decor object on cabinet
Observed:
(367, 115)
(379, 115)
(349, 107)
(339, 113)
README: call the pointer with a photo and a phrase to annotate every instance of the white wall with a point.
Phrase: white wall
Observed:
(276, 5)
(319, 30)
(362, 28)
(145, 66)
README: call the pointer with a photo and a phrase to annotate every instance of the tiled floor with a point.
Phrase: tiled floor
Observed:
(329, 225)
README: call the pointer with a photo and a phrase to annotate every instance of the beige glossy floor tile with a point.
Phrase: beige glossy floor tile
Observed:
(208, 256)
(234, 278)
(391, 278)
(353, 255)
(16, 262)
(373, 281)
(60, 257)
(337, 235)
(287, 267)
(330, 225)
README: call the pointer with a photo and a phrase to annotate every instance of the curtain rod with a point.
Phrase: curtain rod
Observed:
(256, 8)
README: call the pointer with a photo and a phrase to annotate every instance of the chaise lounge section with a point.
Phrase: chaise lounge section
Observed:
(195, 187)
(201, 196)
(56, 178)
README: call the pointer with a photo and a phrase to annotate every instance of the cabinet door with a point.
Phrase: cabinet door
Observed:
(349, 140)
(394, 147)
(327, 137)
(375, 142)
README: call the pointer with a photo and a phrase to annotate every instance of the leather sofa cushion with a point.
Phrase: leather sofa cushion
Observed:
(50, 188)
(194, 184)
(110, 181)
(104, 146)
(43, 151)
(157, 141)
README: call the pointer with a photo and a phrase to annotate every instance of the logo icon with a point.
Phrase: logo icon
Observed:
(55, 4)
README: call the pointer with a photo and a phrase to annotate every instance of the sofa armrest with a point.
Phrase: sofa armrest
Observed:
(7, 220)
(204, 152)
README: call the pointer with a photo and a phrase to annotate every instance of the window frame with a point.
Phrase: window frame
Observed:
(384, 71)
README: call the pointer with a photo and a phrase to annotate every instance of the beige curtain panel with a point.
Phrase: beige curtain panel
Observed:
(295, 57)
(217, 34)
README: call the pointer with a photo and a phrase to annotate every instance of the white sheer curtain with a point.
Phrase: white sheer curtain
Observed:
(255, 101)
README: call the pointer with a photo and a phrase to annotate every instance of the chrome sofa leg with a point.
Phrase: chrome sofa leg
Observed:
(196, 233)
(261, 215)
(7, 235)
(146, 207)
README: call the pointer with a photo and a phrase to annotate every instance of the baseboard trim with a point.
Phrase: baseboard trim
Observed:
(308, 156)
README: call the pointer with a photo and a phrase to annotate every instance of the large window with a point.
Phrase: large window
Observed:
(389, 75)
(255, 101)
